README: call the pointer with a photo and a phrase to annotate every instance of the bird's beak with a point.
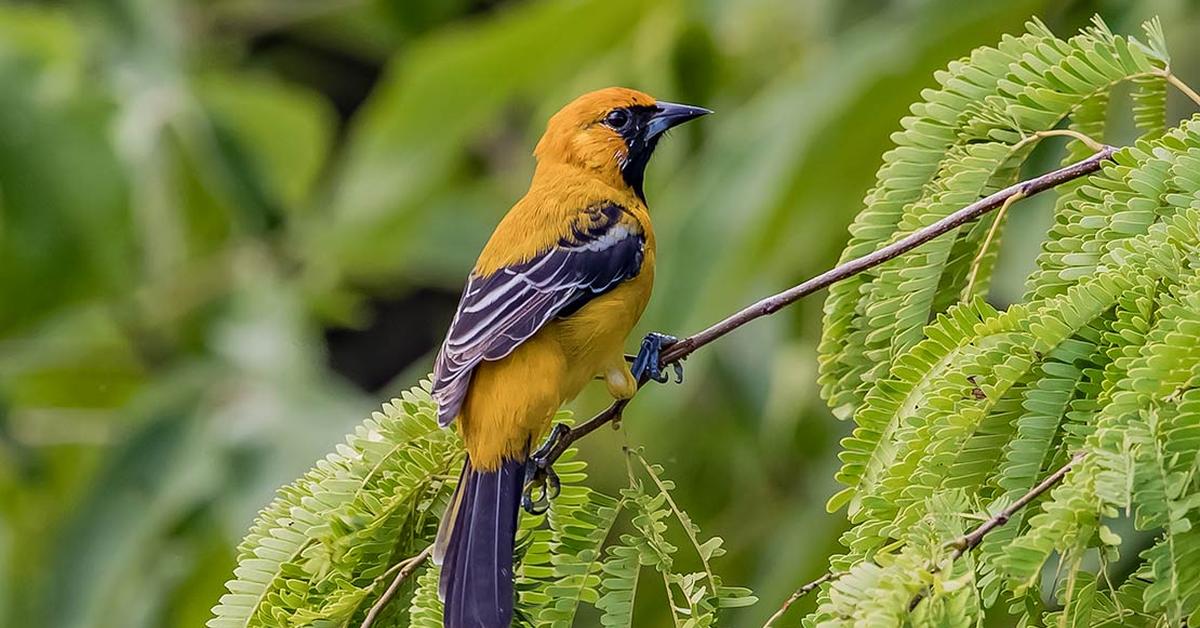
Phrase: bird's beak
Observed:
(669, 115)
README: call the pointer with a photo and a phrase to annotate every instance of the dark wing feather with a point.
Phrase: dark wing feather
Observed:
(498, 312)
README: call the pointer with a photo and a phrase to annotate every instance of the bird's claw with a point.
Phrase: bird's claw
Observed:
(646, 364)
(677, 367)
(541, 486)
(540, 477)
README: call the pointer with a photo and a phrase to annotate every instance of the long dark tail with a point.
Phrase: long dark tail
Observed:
(475, 547)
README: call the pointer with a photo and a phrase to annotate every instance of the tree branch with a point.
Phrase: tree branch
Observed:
(685, 347)
(408, 566)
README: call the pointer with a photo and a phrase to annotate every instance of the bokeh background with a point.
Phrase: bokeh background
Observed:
(229, 229)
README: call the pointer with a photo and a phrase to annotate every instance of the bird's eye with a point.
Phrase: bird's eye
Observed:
(617, 119)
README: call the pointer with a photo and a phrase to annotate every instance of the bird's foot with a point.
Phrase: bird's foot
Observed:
(541, 482)
(646, 364)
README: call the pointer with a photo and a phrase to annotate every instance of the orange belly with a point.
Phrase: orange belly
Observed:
(511, 402)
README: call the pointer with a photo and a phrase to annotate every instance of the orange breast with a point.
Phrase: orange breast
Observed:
(511, 402)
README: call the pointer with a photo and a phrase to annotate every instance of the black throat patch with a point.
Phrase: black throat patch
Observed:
(640, 147)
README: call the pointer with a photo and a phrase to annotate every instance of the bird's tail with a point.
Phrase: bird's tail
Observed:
(475, 547)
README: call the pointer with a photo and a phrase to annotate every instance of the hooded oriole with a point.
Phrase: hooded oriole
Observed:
(547, 308)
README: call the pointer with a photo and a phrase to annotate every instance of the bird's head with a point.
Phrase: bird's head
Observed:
(613, 132)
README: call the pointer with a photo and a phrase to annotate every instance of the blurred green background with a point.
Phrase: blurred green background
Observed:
(229, 229)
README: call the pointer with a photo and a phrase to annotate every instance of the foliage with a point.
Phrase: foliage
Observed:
(327, 548)
(958, 417)
(230, 228)
(328, 541)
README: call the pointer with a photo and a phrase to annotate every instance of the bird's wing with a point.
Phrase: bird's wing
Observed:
(498, 312)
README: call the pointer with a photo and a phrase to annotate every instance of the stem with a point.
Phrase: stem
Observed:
(1086, 140)
(671, 600)
(801, 592)
(633, 484)
(410, 565)
(987, 242)
(1181, 86)
(687, 346)
(683, 521)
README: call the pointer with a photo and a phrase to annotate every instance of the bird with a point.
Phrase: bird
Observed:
(547, 308)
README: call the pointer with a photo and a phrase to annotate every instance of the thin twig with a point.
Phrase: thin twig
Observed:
(685, 347)
(410, 565)
(799, 593)
(770, 305)
(972, 539)
(961, 545)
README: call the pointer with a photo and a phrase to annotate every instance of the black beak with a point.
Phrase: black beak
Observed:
(669, 115)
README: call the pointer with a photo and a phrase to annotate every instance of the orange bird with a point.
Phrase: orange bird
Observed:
(547, 308)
